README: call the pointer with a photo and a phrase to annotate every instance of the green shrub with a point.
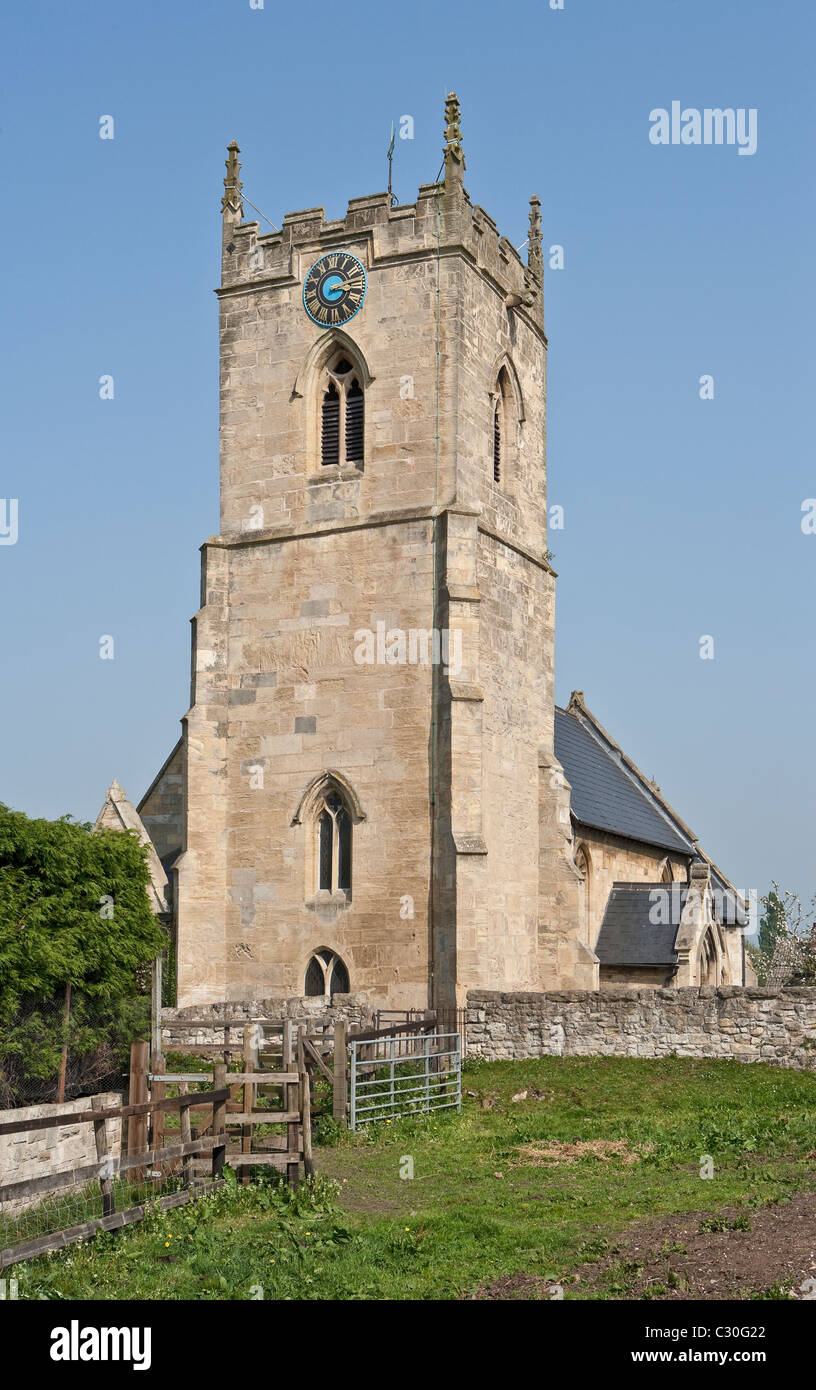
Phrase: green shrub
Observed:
(73, 911)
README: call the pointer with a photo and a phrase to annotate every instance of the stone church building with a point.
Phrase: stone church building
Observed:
(374, 790)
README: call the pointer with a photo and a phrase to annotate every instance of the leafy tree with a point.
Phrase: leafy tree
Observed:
(73, 911)
(773, 923)
(786, 949)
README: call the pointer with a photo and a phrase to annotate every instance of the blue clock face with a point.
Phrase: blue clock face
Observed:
(334, 289)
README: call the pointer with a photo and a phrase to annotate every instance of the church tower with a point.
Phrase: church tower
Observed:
(371, 797)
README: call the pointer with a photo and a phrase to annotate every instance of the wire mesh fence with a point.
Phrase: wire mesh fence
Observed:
(67, 1045)
(94, 1166)
(73, 1208)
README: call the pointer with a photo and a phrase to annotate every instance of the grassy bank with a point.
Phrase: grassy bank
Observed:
(543, 1184)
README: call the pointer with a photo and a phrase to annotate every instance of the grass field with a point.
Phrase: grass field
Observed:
(517, 1194)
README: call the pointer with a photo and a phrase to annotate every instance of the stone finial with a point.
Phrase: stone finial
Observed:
(700, 871)
(454, 154)
(231, 203)
(535, 258)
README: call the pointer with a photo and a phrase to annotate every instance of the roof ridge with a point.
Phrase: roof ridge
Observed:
(161, 771)
(579, 709)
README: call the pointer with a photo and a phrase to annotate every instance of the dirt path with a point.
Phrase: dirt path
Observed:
(680, 1258)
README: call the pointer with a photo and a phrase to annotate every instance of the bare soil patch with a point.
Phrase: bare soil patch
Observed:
(683, 1258)
(548, 1151)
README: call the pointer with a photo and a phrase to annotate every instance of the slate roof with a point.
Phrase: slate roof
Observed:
(627, 937)
(610, 793)
(605, 792)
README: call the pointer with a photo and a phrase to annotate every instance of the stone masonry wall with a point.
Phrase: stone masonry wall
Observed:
(353, 1008)
(747, 1024)
(38, 1152)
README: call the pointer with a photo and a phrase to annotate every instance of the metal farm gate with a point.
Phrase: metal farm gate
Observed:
(405, 1072)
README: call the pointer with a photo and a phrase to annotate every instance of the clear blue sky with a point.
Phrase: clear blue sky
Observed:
(682, 516)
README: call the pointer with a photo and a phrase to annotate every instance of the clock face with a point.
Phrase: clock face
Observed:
(334, 289)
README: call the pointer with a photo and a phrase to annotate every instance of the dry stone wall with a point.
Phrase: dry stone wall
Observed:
(747, 1024)
(353, 1008)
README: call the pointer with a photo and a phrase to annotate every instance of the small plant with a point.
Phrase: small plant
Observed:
(722, 1223)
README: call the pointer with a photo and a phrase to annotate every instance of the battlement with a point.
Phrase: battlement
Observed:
(442, 221)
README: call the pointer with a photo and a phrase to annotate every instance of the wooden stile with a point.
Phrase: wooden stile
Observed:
(290, 1100)
(305, 1105)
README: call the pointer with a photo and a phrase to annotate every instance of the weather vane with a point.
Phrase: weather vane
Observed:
(391, 194)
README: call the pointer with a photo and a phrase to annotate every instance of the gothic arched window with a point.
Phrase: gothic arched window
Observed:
(504, 427)
(328, 810)
(326, 974)
(497, 442)
(708, 960)
(342, 415)
(333, 843)
(583, 865)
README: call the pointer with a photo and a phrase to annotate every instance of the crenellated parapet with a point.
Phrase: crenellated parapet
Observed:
(441, 222)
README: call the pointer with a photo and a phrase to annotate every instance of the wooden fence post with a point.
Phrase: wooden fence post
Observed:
(158, 1090)
(137, 1095)
(251, 1064)
(66, 1019)
(290, 1102)
(156, 1005)
(305, 1104)
(185, 1136)
(219, 1119)
(105, 1179)
(340, 1091)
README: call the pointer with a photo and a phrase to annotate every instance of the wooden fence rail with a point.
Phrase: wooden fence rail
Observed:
(233, 1101)
(134, 1162)
(285, 1152)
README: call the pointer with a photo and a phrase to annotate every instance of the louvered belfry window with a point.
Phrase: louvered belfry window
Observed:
(354, 423)
(330, 440)
(342, 424)
(497, 442)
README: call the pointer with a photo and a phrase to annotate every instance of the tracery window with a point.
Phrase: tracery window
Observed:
(342, 415)
(333, 844)
(504, 426)
(326, 974)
